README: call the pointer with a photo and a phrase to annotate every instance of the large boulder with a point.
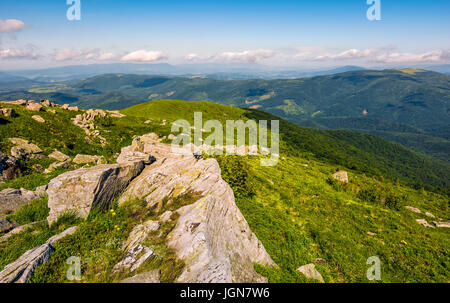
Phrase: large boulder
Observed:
(34, 107)
(83, 189)
(8, 112)
(12, 199)
(211, 235)
(10, 167)
(21, 270)
(341, 176)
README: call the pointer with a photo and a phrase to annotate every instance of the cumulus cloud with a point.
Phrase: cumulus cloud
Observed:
(248, 55)
(11, 26)
(192, 57)
(349, 54)
(68, 54)
(144, 56)
(28, 52)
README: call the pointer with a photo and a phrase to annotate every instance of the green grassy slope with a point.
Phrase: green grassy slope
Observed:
(295, 208)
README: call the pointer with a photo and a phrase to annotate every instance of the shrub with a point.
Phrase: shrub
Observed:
(369, 194)
(235, 171)
(394, 201)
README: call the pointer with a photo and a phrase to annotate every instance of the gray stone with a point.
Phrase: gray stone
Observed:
(134, 258)
(83, 189)
(21, 270)
(59, 156)
(139, 234)
(442, 224)
(311, 272)
(424, 222)
(413, 209)
(38, 119)
(6, 225)
(23, 149)
(55, 165)
(34, 107)
(8, 112)
(12, 199)
(341, 176)
(85, 159)
(10, 167)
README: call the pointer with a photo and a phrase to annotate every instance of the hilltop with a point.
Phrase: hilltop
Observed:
(297, 210)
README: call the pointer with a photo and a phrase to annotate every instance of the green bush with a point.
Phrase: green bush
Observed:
(369, 194)
(36, 210)
(235, 171)
(394, 201)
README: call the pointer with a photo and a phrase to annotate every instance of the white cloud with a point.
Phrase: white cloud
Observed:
(26, 53)
(68, 54)
(248, 55)
(192, 57)
(144, 56)
(349, 54)
(436, 56)
(11, 26)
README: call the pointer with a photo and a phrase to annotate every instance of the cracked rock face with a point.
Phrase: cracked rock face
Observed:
(12, 199)
(211, 235)
(10, 167)
(21, 270)
(81, 190)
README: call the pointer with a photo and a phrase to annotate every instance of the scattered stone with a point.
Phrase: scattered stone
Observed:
(311, 272)
(148, 122)
(8, 112)
(86, 122)
(12, 199)
(116, 114)
(16, 230)
(85, 159)
(73, 108)
(413, 209)
(17, 102)
(10, 167)
(429, 215)
(59, 156)
(6, 225)
(38, 168)
(46, 103)
(134, 258)
(320, 261)
(442, 224)
(38, 119)
(24, 149)
(153, 276)
(21, 270)
(341, 176)
(51, 111)
(371, 233)
(34, 107)
(55, 165)
(424, 222)
(171, 137)
(83, 189)
(65, 106)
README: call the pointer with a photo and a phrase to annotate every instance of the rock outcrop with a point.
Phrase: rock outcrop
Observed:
(85, 188)
(210, 235)
(34, 107)
(21, 270)
(7, 112)
(86, 122)
(86, 159)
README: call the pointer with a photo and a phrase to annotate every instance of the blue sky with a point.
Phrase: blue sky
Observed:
(281, 33)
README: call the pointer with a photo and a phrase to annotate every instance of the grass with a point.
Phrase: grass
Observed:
(34, 211)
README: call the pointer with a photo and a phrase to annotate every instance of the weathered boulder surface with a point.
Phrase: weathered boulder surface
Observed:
(413, 209)
(34, 107)
(85, 188)
(424, 223)
(134, 258)
(59, 156)
(211, 235)
(12, 199)
(442, 224)
(21, 270)
(38, 119)
(10, 167)
(153, 276)
(310, 271)
(23, 149)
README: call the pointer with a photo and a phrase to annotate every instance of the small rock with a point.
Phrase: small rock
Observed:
(59, 156)
(51, 111)
(153, 276)
(371, 233)
(429, 215)
(311, 272)
(12, 199)
(85, 159)
(34, 107)
(10, 167)
(73, 108)
(55, 165)
(139, 234)
(341, 176)
(6, 225)
(65, 106)
(134, 258)
(148, 122)
(24, 149)
(413, 209)
(424, 222)
(171, 137)
(8, 112)
(442, 224)
(320, 261)
(38, 119)
(46, 103)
